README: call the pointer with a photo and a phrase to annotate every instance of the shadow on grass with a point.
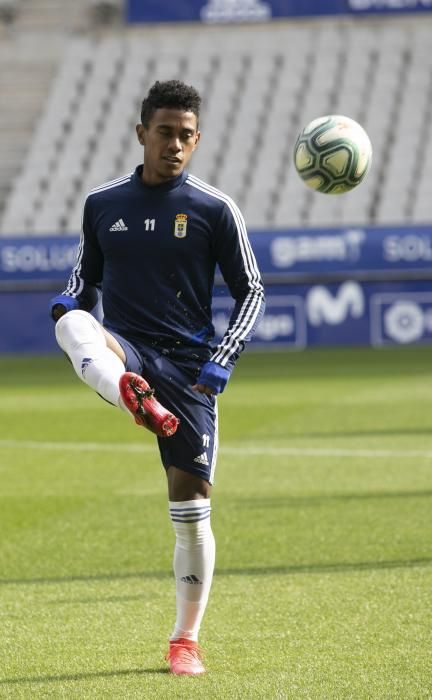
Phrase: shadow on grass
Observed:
(337, 567)
(103, 600)
(312, 501)
(82, 676)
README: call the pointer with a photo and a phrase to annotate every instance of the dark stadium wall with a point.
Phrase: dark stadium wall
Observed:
(218, 11)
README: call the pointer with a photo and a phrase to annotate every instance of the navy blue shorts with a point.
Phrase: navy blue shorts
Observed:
(193, 447)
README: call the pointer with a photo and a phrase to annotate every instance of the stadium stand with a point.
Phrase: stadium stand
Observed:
(76, 100)
(106, 11)
(8, 10)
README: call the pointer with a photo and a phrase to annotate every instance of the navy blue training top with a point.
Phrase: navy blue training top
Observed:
(153, 251)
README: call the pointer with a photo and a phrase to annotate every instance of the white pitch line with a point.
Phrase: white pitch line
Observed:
(247, 449)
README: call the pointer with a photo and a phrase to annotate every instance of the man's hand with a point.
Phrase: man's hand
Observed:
(212, 379)
(203, 389)
(61, 304)
(58, 311)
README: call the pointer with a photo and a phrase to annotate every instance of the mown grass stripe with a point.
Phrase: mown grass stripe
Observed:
(228, 449)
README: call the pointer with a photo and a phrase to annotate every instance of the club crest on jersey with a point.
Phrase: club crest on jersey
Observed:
(180, 225)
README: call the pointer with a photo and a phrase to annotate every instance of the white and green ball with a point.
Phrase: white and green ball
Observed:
(333, 154)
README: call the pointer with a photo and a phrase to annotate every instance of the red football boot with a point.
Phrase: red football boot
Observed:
(139, 399)
(185, 658)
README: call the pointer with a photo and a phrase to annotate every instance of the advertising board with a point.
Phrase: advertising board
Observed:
(234, 11)
(345, 286)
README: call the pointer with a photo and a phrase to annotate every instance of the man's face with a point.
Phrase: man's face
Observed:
(169, 141)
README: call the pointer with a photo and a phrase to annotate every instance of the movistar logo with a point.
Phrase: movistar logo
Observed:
(325, 307)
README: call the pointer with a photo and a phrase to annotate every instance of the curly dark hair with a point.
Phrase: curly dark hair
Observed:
(172, 94)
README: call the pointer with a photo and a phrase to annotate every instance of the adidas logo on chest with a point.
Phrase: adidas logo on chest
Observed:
(119, 226)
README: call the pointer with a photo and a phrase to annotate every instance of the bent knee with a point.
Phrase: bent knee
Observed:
(77, 327)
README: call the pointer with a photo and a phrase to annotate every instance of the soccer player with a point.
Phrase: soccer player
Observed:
(151, 241)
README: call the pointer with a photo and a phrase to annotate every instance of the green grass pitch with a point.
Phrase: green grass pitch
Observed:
(322, 517)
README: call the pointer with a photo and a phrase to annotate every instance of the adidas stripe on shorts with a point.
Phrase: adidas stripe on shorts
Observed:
(193, 448)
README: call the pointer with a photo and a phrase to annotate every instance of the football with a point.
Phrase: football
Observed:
(333, 154)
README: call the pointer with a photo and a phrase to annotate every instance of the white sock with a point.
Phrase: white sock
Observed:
(194, 559)
(82, 339)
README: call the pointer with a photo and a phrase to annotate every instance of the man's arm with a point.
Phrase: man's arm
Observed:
(240, 271)
(83, 287)
(86, 300)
